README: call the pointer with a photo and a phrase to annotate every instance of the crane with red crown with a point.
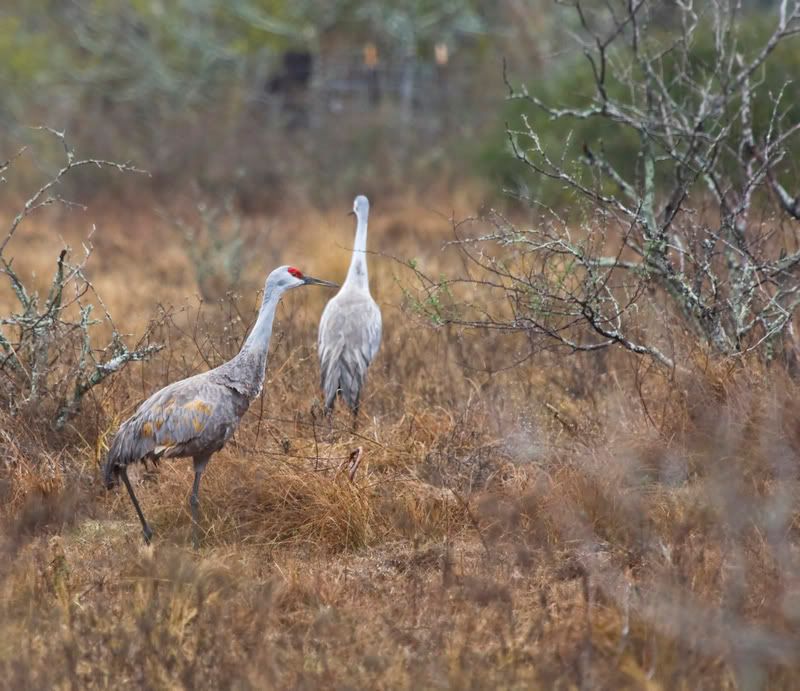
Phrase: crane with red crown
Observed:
(195, 417)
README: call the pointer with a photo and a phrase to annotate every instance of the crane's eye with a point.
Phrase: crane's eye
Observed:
(295, 272)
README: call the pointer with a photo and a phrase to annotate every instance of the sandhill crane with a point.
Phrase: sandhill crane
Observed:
(196, 416)
(350, 328)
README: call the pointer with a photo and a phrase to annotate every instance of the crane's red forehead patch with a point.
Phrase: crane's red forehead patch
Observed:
(295, 272)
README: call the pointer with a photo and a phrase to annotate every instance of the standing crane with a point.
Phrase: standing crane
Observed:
(196, 416)
(350, 328)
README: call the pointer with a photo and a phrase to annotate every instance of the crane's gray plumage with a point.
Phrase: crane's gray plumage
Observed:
(350, 328)
(196, 416)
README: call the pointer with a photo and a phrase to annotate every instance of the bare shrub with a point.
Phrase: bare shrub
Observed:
(694, 221)
(50, 359)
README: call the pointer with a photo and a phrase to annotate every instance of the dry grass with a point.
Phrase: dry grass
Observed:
(567, 523)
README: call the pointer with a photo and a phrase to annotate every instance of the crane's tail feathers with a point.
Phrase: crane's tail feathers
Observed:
(330, 402)
(345, 379)
(123, 451)
(114, 459)
(111, 472)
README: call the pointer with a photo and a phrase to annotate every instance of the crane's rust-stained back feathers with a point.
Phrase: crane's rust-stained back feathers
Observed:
(188, 417)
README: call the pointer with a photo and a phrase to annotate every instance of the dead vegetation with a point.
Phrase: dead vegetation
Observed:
(581, 522)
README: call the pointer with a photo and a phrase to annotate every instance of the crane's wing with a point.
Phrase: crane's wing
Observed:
(374, 331)
(191, 417)
(349, 338)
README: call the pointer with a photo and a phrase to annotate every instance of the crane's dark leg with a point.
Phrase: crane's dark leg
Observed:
(329, 404)
(356, 408)
(123, 471)
(194, 501)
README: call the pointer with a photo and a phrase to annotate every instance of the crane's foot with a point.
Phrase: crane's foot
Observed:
(148, 534)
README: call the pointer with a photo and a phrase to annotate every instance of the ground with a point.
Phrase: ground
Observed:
(578, 520)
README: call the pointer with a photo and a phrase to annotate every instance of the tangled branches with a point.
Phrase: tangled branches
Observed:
(48, 351)
(698, 224)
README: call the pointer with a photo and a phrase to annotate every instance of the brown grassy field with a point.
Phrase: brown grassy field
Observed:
(577, 521)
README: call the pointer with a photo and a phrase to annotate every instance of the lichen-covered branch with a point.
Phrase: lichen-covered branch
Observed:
(672, 230)
(49, 352)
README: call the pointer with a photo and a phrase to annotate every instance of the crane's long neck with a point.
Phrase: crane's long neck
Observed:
(357, 275)
(247, 370)
(258, 340)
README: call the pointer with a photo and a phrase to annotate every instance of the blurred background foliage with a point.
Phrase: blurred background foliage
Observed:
(397, 95)
(568, 82)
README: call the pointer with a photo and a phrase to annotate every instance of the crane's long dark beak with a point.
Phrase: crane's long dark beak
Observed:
(310, 280)
(351, 213)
